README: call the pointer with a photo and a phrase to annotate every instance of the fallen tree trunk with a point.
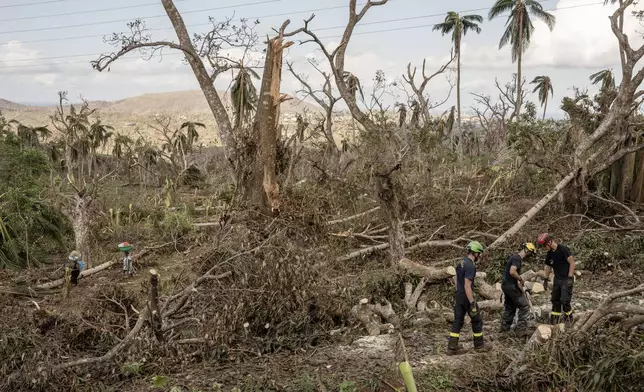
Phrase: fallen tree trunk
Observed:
(608, 307)
(91, 271)
(535, 209)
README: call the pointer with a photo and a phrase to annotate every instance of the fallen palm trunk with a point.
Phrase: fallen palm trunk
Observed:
(490, 304)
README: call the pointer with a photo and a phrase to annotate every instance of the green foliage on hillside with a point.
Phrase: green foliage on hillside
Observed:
(30, 225)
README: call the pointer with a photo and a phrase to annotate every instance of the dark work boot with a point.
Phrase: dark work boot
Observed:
(555, 318)
(453, 348)
(479, 344)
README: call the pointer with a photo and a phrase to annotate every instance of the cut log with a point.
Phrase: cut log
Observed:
(430, 274)
(529, 276)
(490, 305)
(486, 291)
(537, 288)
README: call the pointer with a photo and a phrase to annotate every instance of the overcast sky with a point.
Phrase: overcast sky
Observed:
(35, 39)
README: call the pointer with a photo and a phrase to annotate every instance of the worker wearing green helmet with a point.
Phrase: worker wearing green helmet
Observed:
(464, 302)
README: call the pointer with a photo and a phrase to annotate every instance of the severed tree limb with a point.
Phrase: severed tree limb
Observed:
(123, 344)
(352, 217)
(534, 210)
(413, 295)
(364, 313)
(366, 251)
(490, 304)
(608, 307)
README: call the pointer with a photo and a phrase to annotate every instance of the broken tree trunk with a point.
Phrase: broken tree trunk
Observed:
(203, 78)
(264, 189)
(430, 274)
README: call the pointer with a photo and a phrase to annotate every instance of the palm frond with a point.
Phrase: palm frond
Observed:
(501, 7)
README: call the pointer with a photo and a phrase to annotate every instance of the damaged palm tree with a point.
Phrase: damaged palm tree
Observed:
(78, 131)
(585, 153)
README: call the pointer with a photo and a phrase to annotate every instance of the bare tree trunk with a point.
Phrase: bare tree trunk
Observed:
(392, 205)
(519, 58)
(637, 195)
(545, 106)
(628, 169)
(458, 95)
(205, 81)
(81, 225)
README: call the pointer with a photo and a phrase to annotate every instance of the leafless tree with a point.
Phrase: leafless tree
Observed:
(418, 87)
(323, 96)
(494, 114)
(389, 192)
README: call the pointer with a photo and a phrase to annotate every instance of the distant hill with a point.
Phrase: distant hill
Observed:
(134, 115)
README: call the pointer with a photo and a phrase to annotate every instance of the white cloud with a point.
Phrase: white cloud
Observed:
(582, 38)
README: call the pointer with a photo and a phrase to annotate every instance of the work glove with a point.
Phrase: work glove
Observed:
(545, 284)
(569, 281)
(474, 309)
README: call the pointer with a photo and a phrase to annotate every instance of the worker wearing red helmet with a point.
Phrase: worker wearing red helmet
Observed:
(560, 261)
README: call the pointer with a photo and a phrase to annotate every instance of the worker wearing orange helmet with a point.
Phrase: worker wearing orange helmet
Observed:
(559, 259)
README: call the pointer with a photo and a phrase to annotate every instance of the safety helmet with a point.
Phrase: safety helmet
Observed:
(475, 247)
(543, 239)
(529, 248)
(74, 255)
